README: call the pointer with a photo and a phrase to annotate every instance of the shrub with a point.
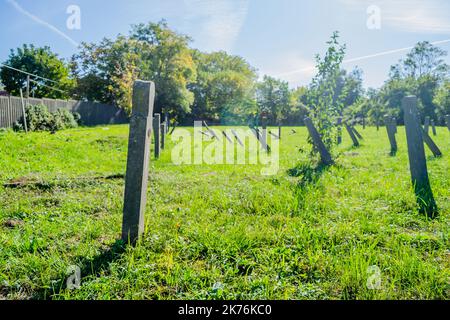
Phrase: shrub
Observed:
(40, 119)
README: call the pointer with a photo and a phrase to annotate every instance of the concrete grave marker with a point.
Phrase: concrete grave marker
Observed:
(352, 135)
(339, 130)
(390, 127)
(136, 178)
(426, 125)
(237, 137)
(433, 127)
(417, 160)
(156, 134)
(325, 156)
(163, 135)
(431, 145)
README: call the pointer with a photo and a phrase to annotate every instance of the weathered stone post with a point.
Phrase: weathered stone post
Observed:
(391, 134)
(364, 122)
(352, 135)
(263, 137)
(426, 125)
(431, 145)
(136, 177)
(166, 120)
(325, 156)
(163, 135)
(417, 160)
(279, 132)
(433, 127)
(156, 134)
(357, 133)
(447, 120)
(339, 130)
(394, 124)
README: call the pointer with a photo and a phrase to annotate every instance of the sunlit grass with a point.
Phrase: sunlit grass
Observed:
(220, 231)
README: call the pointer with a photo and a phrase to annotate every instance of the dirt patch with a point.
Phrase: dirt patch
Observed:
(25, 182)
(12, 223)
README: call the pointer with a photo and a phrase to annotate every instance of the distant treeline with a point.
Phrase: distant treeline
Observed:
(223, 88)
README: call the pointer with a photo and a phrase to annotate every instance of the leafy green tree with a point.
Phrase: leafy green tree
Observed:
(166, 59)
(442, 102)
(420, 74)
(424, 59)
(273, 98)
(42, 62)
(224, 87)
(322, 95)
(105, 72)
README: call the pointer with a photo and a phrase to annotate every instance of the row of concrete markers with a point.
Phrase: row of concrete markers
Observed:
(138, 151)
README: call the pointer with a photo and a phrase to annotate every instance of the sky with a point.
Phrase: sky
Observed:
(278, 37)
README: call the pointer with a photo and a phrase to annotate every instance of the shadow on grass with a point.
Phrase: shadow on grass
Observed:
(309, 173)
(88, 267)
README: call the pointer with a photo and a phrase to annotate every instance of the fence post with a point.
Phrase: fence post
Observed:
(417, 160)
(447, 120)
(136, 177)
(23, 109)
(391, 134)
(325, 156)
(157, 133)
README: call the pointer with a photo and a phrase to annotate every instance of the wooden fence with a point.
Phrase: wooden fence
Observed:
(91, 113)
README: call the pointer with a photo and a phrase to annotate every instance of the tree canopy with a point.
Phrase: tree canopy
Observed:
(40, 61)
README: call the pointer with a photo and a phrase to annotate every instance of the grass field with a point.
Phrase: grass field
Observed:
(217, 231)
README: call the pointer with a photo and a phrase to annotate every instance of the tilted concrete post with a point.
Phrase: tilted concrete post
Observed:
(352, 135)
(431, 145)
(157, 134)
(391, 134)
(433, 127)
(426, 125)
(163, 135)
(136, 177)
(417, 160)
(339, 130)
(325, 156)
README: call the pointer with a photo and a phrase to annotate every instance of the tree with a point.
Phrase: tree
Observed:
(166, 59)
(273, 98)
(442, 102)
(424, 59)
(420, 74)
(323, 101)
(105, 72)
(224, 87)
(41, 62)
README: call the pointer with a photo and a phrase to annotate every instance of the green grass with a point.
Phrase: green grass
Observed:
(218, 231)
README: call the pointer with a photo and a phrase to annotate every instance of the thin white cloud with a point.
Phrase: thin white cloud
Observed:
(220, 20)
(307, 68)
(42, 22)
(416, 16)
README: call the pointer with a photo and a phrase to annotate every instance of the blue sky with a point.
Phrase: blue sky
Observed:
(278, 37)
